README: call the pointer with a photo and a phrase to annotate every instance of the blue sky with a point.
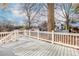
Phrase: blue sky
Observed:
(15, 14)
(9, 15)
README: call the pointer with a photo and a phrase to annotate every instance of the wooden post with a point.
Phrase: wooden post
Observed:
(52, 36)
(38, 34)
(29, 33)
(1, 36)
(76, 40)
(11, 36)
(17, 33)
(25, 32)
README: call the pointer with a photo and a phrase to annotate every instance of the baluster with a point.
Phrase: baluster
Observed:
(52, 36)
(1, 36)
(73, 43)
(29, 33)
(57, 38)
(71, 39)
(38, 34)
(76, 40)
(60, 38)
(65, 38)
(24, 32)
(68, 39)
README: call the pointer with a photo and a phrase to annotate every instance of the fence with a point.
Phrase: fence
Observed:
(6, 37)
(66, 39)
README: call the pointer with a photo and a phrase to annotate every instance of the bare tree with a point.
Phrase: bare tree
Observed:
(43, 26)
(66, 9)
(3, 5)
(50, 16)
(50, 8)
(31, 11)
(76, 7)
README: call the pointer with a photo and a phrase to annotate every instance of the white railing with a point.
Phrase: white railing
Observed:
(66, 39)
(6, 37)
(3, 34)
(41, 35)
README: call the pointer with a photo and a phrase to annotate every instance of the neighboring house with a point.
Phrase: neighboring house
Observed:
(59, 26)
(74, 27)
(59, 20)
(74, 24)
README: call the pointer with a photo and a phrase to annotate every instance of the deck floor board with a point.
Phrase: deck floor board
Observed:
(34, 47)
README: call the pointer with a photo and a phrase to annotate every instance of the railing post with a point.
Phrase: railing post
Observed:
(76, 41)
(1, 36)
(25, 32)
(14, 35)
(38, 34)
(52, 36)
(11, 37)
(17, 33)
(29, 33)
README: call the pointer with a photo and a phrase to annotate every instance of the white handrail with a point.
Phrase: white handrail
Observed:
(75, 34)
(53, 37)
(5, 38)
(9, 37)
(57, 37)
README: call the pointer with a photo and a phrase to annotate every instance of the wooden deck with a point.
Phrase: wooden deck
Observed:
(25, 46)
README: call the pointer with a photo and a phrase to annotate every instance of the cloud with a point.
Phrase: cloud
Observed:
(18, 13)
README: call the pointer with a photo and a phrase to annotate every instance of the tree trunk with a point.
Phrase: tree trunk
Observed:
(3, 5)
(50, 16)
(29, 22)
(67, 21)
